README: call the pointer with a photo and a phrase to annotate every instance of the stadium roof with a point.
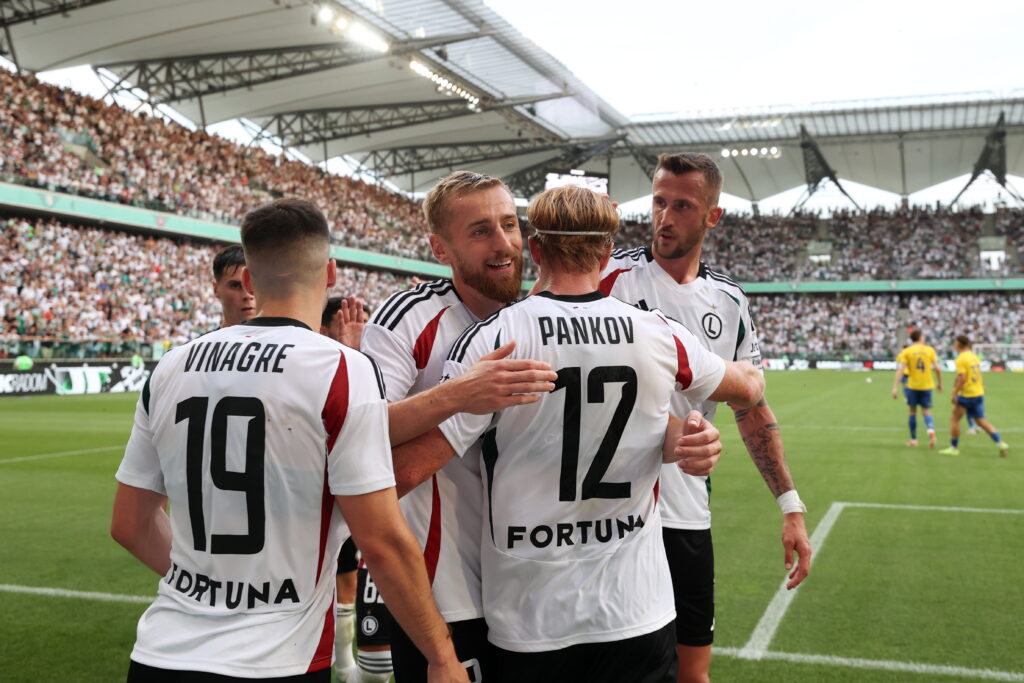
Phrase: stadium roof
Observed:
(479, 95)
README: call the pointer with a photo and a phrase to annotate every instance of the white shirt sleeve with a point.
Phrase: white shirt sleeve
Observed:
(463, 429)
(700, 371)
(748, 348)
(394, 358)
(140, 466)
(360, 461)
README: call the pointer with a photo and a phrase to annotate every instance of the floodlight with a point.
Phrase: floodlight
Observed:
(735, 152)
(364, 36)
(774, 150)
(753, 151)
(764, 151)
(725, 152)
(325, 14)
(340, 23)
(744, 152)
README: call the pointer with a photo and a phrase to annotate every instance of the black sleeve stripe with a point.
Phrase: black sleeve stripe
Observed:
(145, 394)
(636, 253)
(411, 303)
(380, 377)
(393, 302)
(397, 301)
(458, 352)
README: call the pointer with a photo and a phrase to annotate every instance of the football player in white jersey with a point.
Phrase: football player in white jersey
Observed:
(474, 229)
(669, 275)
(574, 576)
(236, 304)
(263, 436)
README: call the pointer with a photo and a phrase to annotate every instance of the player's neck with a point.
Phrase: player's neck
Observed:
(684, 269)
(301, 309)
(563, 283)
(478, 304)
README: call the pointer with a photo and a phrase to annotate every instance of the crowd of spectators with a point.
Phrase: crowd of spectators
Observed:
(61, 283)
(59, 139)
(871, 327)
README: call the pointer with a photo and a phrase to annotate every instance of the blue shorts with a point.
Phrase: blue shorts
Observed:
(919, 397)
(974, 405)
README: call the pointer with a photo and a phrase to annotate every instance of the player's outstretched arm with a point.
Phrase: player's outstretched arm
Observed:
(140, 524)
(492, 383)
(417, 460)
(900, 369)
(741, 385)
(694, 443)
(760, 433)
(394, 559)
(938, 375)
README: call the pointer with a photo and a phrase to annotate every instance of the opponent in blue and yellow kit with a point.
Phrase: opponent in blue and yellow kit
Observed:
(917, 362)
(969, 398)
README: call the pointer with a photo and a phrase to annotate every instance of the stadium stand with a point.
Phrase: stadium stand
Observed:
(78, 291)
(74, 291)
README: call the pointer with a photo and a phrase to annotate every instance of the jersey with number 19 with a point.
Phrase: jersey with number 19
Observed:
(572, 549)
(248, 431)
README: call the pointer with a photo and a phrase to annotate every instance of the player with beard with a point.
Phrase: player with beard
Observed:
(474, 229)
(669, 275)
(238, 304)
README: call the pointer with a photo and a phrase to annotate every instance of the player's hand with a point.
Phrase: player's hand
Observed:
(939, 388)
(496, 381)
(794, 539)
(347, 324)
(700, 447)
(894, 393)
(447, 672)
(952, 399)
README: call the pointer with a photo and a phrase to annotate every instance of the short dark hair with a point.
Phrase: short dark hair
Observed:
(332, 307)
(684, 162)
(282, 223)
(229, 257)
(964, 341)
(915, 336)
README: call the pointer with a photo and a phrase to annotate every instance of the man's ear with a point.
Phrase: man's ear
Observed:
(714, 216)
(247, 280)
(440, 249)
(534, 249)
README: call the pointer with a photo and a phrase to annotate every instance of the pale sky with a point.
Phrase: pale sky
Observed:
(673, 56)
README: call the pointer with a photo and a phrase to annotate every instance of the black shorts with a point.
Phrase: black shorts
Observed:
(691, 560)
(471, 647)
(348, 558)
(141, 673)
(649, 658)
(373, 619)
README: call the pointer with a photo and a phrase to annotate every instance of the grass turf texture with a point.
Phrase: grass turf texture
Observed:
(930, 587)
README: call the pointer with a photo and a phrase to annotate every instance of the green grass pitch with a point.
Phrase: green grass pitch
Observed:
(895, 593)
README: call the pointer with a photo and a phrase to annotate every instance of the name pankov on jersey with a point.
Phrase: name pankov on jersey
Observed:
(250, 431)
(409, 337)
(716, 310)
(572, 549)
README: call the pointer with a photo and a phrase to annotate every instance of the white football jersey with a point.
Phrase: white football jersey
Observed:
(250, 431)
(572, 549)
(409, 337)
(716, 310)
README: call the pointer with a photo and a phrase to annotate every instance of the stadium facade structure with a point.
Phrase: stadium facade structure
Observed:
(481, 95)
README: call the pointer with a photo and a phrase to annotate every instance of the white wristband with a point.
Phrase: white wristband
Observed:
(790, 502)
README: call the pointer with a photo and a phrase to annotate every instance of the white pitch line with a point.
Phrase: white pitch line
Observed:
(64, 593)
(881, 665)
(43, 456)
(934, 508)
(763, 633)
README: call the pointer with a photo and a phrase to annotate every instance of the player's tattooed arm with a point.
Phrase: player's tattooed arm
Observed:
(760, 433)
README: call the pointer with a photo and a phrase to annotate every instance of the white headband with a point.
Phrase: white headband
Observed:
(563, 232)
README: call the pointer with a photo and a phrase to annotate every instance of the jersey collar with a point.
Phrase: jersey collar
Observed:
(276, 322)
(572, 298)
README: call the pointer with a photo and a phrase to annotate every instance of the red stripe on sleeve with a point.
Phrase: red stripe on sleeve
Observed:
(683, 375)
(336, 405)
(432, 551)
(425, 342)
(609, 280)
